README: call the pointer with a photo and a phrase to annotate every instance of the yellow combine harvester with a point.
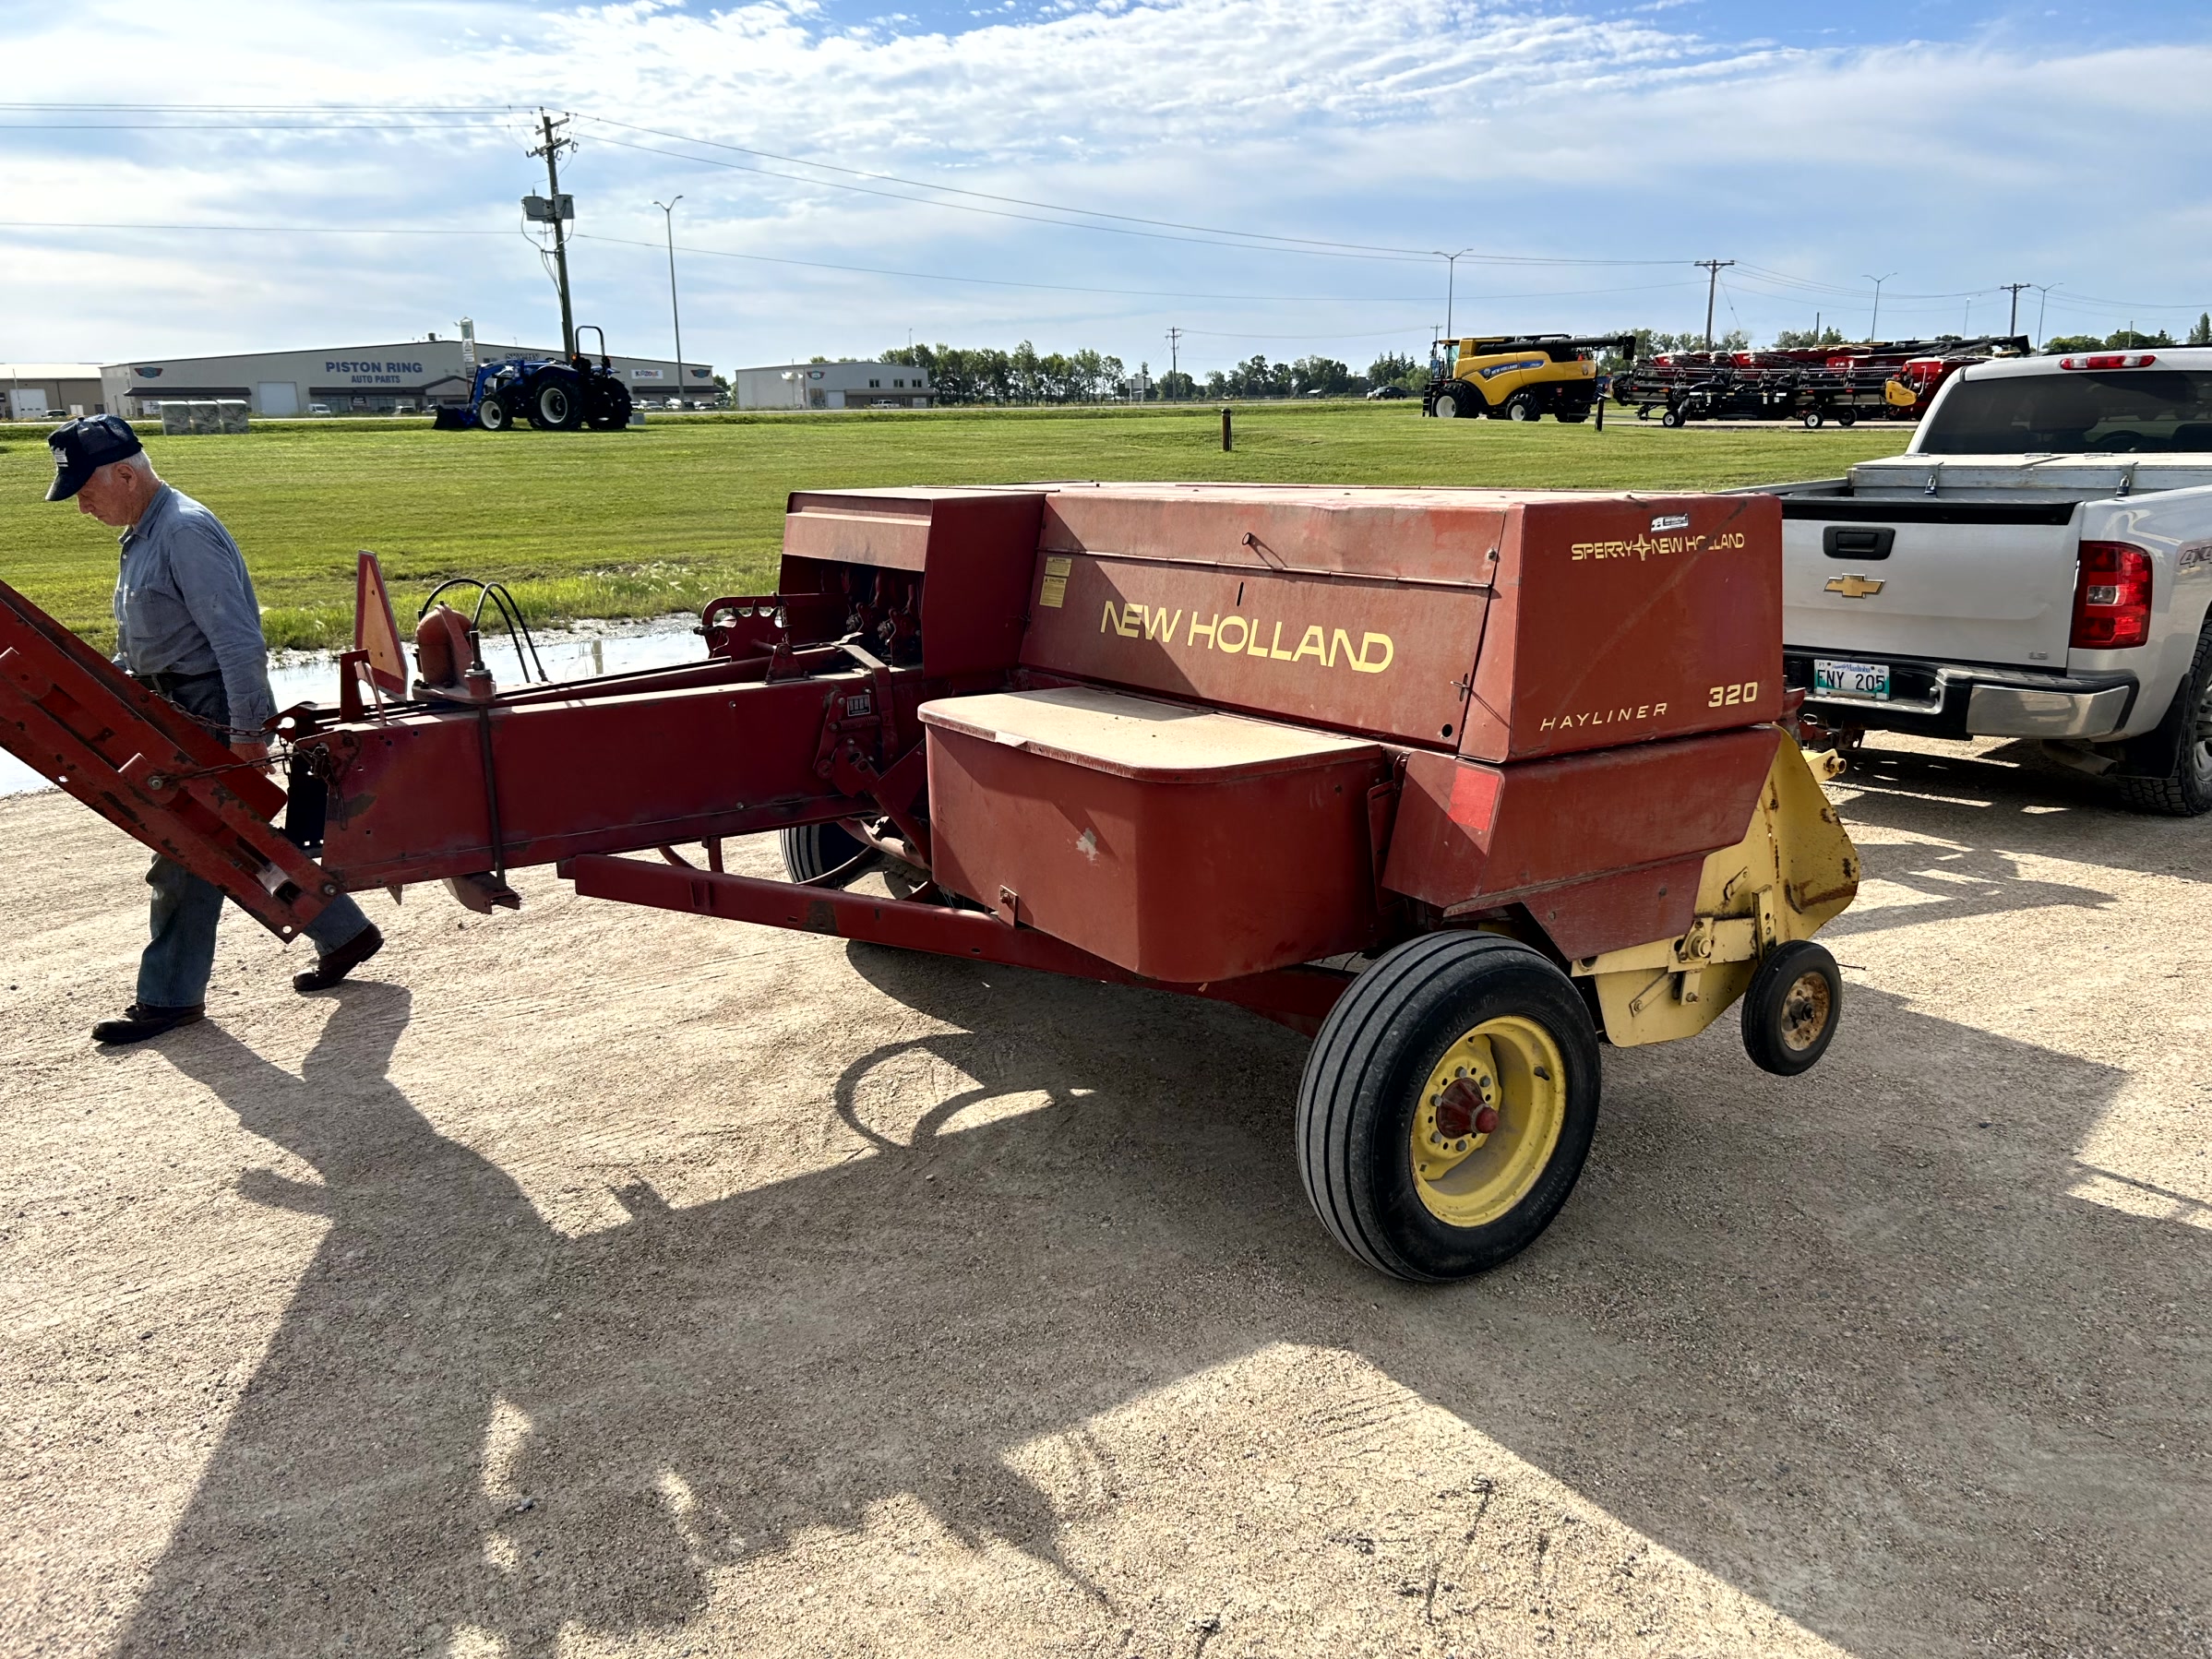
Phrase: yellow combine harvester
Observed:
(1519, 377)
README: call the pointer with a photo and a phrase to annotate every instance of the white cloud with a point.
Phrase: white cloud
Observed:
(1424, 123)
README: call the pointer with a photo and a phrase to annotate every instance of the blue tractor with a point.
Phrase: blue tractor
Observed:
(552, 394)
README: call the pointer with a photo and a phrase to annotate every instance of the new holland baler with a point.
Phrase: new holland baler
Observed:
(1462, 783)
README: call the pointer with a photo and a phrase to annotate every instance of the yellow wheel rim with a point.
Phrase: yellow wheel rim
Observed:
(1489, 1118)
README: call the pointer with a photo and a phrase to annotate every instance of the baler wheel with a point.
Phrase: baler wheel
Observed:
(826, 854)
(1448, 1106)
(1790, 1012)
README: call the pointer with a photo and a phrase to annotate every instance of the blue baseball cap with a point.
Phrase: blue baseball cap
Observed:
(86, 445)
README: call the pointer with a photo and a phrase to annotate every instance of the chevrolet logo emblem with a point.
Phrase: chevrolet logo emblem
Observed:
(1855, 586)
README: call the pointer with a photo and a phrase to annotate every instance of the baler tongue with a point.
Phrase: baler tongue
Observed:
(149, 768)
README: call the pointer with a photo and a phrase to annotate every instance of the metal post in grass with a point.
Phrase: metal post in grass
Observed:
(1225, 443)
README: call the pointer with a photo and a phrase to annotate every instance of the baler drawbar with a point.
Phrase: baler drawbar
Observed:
(1462, 783)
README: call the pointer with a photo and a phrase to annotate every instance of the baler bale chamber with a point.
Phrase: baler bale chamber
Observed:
(1464, 784)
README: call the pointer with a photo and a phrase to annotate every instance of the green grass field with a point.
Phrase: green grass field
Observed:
(664, 517)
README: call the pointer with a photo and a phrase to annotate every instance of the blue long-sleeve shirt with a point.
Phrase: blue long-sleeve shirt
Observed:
(185, 605)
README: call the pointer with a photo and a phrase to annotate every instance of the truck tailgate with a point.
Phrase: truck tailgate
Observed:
(1961, 581)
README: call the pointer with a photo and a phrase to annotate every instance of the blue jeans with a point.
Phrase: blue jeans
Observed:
(173, 972)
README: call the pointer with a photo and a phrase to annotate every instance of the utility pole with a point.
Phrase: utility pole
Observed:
(1874, 329)
(668, 219)
(2013, 289)
(2042, 301)
(1174, 380)
(551, 150)
(1713, 268)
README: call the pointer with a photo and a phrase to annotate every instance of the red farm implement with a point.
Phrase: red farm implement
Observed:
(1461, 782)
(1813, 384)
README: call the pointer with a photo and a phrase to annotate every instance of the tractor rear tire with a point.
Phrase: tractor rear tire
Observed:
(494, 415)
(1445, 1035)
(826, 854)
(1792, 1009)
(555, 405)
(610, 406)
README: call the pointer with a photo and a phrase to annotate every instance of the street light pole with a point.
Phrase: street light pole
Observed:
(1451, 281)
(1874, 328)
(675, 316)
(2042, 300)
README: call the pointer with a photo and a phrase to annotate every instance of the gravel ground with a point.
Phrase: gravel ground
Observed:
(605, 1282)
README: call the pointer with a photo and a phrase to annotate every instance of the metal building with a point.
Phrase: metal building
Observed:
(830, 386)
(402, 378)
(50, 391)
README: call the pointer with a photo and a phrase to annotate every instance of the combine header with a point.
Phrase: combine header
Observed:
(1812, 385)
(1461, 782)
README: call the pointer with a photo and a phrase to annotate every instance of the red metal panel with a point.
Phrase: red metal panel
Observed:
(1620, 620)
(1449, 536)
(408, 802)
(1192, 876)
(1365, 656)
(149, 768)
(1470, 834)
(1298, 998)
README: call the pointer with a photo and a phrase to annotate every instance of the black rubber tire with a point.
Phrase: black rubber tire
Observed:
(610, 405)
(1771, 1009)
(1644, 412)
(1521, 406)
(1844, 417)
(1362, 1088)
(2185, 792)
(1456, 402)
(1672, 417)
(554, 404)
(1813, 420)
(494, 415)
(826, 854)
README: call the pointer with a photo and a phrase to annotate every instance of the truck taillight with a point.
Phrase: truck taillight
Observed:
(2111, 597)
(2110, 360)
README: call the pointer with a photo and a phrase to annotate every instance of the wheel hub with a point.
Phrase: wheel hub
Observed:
(1488, 1115)
(1806, 1008)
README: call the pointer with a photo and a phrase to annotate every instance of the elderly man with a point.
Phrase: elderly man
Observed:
(187, 625)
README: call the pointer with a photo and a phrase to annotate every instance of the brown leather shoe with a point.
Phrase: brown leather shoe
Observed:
(328, 970)
(140, 1023)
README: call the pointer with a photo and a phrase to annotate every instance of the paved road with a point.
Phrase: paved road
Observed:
(603, 1282)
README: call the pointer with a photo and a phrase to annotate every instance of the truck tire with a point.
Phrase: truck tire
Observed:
(1791, 1010)
(826, 854)
(2185, 735)
(1444, 1034)
(1522, 406)
(555, 404)
(494, 415)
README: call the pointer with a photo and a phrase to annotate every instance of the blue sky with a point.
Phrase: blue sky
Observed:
(1585, 154)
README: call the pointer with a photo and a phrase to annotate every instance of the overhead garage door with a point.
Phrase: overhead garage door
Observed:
(278, 397)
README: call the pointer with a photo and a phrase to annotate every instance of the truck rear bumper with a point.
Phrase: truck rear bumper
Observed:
(1952, 699)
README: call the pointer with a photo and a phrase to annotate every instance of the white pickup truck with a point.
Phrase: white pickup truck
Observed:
(2037, 564)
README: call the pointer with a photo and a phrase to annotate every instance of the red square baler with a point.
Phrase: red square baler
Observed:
(1461, 782)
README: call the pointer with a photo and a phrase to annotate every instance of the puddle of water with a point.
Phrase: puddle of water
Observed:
(312, 677)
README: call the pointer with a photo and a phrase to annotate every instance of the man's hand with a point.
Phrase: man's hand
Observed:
(252, 751)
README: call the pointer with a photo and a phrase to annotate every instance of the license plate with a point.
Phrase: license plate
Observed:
(1850, 679)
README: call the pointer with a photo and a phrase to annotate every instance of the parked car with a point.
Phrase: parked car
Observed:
(2037, 564)
(318, 408)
